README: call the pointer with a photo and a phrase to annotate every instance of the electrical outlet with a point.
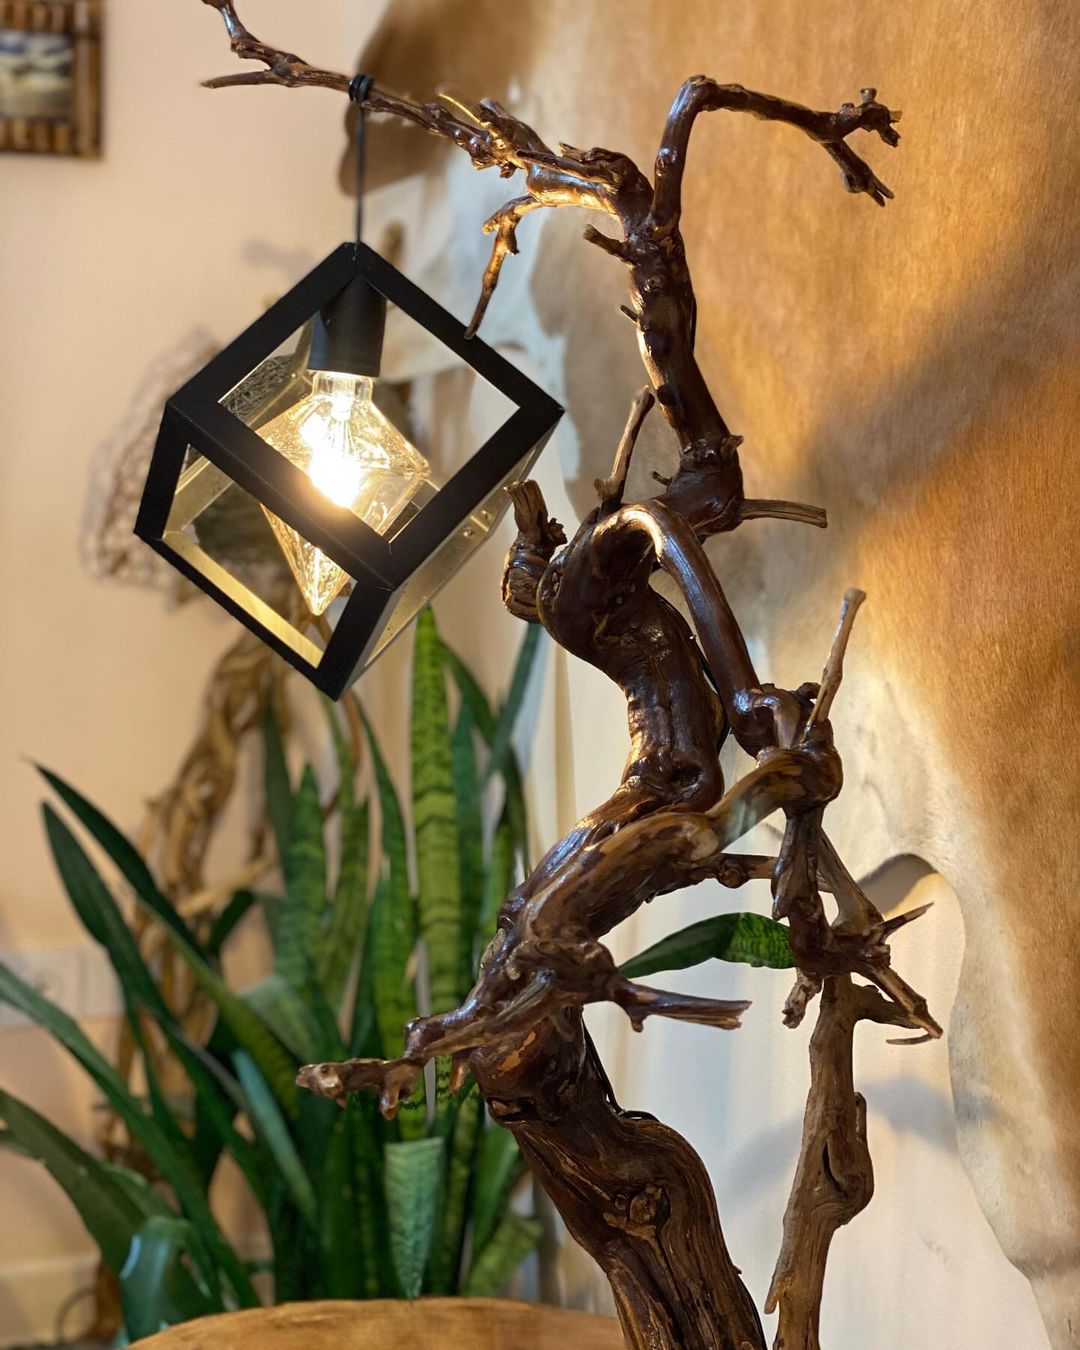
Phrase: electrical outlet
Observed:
(79, 980)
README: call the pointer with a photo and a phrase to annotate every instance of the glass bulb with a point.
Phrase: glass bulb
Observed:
(355, 458)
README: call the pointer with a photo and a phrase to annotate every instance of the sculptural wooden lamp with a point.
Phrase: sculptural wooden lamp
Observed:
(632, 1192)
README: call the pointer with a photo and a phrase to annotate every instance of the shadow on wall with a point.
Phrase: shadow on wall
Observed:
(907, 1091)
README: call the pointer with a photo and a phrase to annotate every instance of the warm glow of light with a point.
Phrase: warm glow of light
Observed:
(355, 458)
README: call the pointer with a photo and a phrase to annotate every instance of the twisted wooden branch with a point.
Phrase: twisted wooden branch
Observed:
(633, 1193)
(610, 490)
(700, 94)
(597, 179)
(834, 1180)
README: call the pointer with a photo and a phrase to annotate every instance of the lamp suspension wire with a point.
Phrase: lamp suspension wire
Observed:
(358, 90)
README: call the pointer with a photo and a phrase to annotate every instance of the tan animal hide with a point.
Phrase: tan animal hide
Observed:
(912, 370)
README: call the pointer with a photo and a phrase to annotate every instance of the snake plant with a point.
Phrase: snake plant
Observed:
(354, 1206)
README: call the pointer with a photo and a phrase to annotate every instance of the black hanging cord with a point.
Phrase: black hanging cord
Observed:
(348, 333)
(358, 92)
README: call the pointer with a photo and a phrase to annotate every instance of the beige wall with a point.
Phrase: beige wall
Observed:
(204, 205)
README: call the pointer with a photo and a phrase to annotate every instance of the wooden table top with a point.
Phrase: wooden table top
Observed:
(379, 1324)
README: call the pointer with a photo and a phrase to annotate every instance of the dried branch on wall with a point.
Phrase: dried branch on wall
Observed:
(632, 1191)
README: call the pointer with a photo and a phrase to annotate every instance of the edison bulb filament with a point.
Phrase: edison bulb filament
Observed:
(355, 458)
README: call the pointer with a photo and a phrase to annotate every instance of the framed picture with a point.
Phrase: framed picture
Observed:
(50, 77)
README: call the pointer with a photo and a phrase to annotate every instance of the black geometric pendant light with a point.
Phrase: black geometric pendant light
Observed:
(279, 451)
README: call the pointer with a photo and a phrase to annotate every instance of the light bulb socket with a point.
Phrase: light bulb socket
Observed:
(348, 333)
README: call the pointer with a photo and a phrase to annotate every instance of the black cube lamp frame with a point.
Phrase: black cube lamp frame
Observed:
(392, 575)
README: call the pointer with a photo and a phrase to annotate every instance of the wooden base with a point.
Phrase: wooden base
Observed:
(428, 1324)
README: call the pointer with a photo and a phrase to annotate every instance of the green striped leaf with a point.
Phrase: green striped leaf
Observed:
(435, 818)
(392, 946)
(94, 904)
(340, 944)
(109, 1213)
(473, 696)
(751, 939)
(514, 1239)
(470, 823)
(251, 1032)
(158, 1288)
(499, 1167)
(267, 1120)
(347, 767)
(340, 1269)
(123, 855)
(97, 908)
(392, 942)
(394, 849)
(369, 1216)
(304, 868)
(215, 1253)
(363, 1037)
(412, 1171)
(392, 937)
(276, 787)
(342, 1259)
(340, 940)
(444, 1265)
(296, 1253)
(281, 1008)
(499, 878)
(226, 921)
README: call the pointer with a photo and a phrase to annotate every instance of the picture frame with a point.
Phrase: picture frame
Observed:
(50, 77)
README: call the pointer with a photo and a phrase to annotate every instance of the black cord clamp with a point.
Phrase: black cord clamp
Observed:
(359, 86)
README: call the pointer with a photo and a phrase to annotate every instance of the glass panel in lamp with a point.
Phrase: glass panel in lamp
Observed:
(451, 414)
(224, 533)
(379, 445)
(356, 457)
(429, 578)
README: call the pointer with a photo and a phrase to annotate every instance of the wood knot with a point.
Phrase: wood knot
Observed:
(640, 1213)
(702, 842)
(500, 1109)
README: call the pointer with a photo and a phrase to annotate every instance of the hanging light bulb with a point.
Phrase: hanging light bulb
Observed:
(351, 453)
(283, 416)
(355, 457)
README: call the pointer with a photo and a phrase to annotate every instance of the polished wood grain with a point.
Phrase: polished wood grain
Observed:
(393, 1324)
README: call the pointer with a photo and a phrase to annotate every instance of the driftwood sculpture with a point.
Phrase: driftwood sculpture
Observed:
(631, 1191)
